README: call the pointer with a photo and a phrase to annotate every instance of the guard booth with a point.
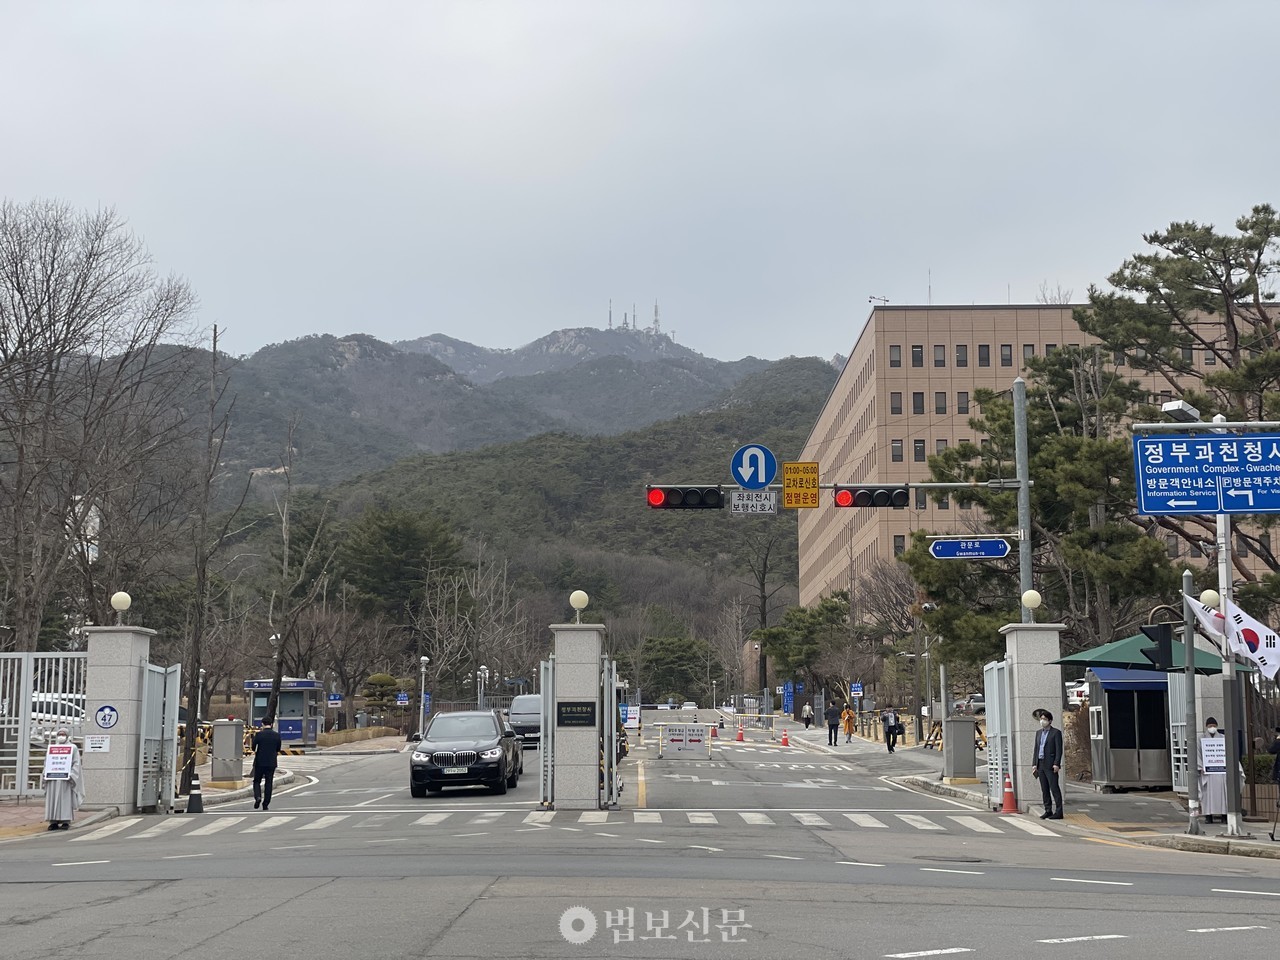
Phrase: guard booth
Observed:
(299, 712)
(1129, 728)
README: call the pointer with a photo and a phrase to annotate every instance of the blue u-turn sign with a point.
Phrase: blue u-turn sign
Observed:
(754, 466)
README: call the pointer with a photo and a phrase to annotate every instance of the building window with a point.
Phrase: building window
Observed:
(895, 451)
(1028, 351)
(917, 355)
(895, 355)
(895, 403)
(1173, 540)
(1006, 354)
(917, 448)
(899, 544)
(940, 402)
(962, 401)
(1118, 358)
(1166, 396)
(1195, 550)
(917, 403)
(1049, 348)
(922, 499)
(984, 354)
(1187, 355)
(940, 446)
(1242, 547)
(1210, 358)
(939, 355)
(962, 354)
(944, 502)
(1264, 539)
(984, 442)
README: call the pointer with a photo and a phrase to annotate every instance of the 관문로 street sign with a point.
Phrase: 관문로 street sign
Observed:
(1209, 473)
(976, 548)
(745, 502)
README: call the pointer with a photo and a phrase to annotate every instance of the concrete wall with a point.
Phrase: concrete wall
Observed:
(577, 749)
(117, 661)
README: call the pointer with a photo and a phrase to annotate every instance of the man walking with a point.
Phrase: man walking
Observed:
(806, 714)
(832, 716)
(266, 747)
(890, 721)
(1046, 764)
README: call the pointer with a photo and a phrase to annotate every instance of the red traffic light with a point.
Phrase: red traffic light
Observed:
(844, 497)
(685, 498)
(871, 495)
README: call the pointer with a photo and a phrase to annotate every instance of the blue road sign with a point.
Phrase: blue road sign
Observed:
(855, 689)
(426, 701)
(335, 699)
(754, 466)
(1208, 473)
(977, 548)
(402, 699)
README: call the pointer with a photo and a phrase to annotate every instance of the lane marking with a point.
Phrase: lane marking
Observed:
(383, 840)
(647, 816)
(483, 833)
(365, 803)
(591, 816)
(486, 818)
(164, 826)
(973, 823)
(1224, 929)
(640, 784)
(539, 816)
(214, 827)
(701, 817)
(866, 820)
(572, 829)
(858, 863)
(1256, 893)
(758, 819)
(186, 856)
(324, 822)
(696, 846)
(954, 803)
(430, 818)
(1101, 936)
(601, 833)
(1031, 827)
(780, 856)
(1105, 883)
(931, 953)
(976, 873)
(647, 840)
(811, 819)
(268, 824)
(295, 846)
(108, 830)
(920, 823)
(80, 863)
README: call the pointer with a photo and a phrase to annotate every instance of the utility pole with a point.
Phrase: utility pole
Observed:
(1022, 463)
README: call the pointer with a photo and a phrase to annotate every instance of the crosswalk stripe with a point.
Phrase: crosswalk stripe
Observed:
(920, 823)
(164, 826)
(430, 819)
(540, 816)
(108, 829)
(324, 822)
(268, 824)
(811, 819)
(695, 817)
(488, 817)
(865, 820)
(757, 819)
(220, 824)
(1030, 827)
(973, 823)
(647, 816)
(594, 816)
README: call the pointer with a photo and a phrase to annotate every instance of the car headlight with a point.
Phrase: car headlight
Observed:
(493, 754)
(420, 756)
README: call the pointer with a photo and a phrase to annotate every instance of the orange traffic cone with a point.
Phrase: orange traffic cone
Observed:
(1010, 802)
(785, 741)
(714, 735)
(740, 737)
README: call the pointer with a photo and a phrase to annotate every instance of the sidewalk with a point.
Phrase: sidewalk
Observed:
(25, 817)
(1151, 818)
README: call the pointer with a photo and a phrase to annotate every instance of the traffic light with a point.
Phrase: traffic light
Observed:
(1161, 655)
(872, 495)
(686, 498)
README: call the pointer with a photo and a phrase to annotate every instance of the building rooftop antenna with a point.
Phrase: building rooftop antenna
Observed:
(657, 324)
(877, 299)
(611, 313)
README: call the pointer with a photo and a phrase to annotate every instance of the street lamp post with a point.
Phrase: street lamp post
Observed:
(422, 693)
(200, 698)
(482, 677)
(714, 703)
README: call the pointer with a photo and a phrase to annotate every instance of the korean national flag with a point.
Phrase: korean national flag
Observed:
(1212, 623)
(1253, 640)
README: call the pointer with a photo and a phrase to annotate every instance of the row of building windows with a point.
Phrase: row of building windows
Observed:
(962, 354)
(1174, 544)
(939, 402)
(918, 449)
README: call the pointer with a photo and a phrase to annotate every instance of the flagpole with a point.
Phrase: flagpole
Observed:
(1230, 700)
(1192, 751)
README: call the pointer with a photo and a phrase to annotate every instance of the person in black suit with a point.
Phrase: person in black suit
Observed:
(266, 747)
(1046, 763)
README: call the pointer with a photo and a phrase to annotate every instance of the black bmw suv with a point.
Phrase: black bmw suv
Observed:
(467, 748)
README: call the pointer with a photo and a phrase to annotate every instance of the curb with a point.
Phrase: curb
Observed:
(1218, 845)
(942, 789)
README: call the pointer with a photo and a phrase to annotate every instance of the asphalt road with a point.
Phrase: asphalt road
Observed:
(820, 858)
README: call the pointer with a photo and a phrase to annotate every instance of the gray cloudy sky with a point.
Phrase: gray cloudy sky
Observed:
(497, 170)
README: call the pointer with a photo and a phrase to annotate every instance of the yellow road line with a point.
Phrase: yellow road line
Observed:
(640, 784)
(1116, 843)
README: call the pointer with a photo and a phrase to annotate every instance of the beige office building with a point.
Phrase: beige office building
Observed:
(905, 394)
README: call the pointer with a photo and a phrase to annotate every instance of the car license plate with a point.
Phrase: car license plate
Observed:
(454, 770)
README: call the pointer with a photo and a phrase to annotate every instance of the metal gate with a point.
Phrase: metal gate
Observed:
(39, 692)
(547, 737)
(999, 729)
(158, 748)
(611, 787)
(1178, 730)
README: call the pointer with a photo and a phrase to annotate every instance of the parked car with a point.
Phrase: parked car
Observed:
(975, 703)
(525, 715)
(688, 705)
(466, 748)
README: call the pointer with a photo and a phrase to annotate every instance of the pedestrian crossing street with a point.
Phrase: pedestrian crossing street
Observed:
(146, 828)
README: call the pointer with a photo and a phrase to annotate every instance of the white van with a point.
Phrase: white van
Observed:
(52, 710)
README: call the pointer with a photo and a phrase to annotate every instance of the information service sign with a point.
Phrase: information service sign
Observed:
(1208, 473)
(977, 548)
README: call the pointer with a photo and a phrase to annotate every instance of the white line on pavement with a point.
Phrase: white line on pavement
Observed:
(186, 856)
(215, 826)
(647, 816)
(973, 823)
(931, 953)
(325, 822)
(858, 863)
(266, 824)
(647, 840)
(1224, 929)
(1101, 936)
(1256, 893)
(1030, 827)
(976, 873)
(295, 846)
(108, 830)
(80, 863)
(365, 803)
(1105, 883)
(430, 818)
(162, 827)
(920, 823)
(779, 856)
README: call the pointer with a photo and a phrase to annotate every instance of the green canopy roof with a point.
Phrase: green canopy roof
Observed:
(1126, 654)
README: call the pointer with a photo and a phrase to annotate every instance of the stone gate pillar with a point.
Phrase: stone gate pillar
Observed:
(113, 709)
(1035, 681)
(576, 714)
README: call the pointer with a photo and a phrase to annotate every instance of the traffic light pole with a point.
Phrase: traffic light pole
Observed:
(1192, 751)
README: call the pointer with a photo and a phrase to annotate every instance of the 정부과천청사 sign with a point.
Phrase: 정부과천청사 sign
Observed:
(1215, 473)
(575, 713)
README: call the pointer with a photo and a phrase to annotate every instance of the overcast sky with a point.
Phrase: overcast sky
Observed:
(498, 170)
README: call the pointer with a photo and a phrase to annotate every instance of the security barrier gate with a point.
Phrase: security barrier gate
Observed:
(999, 730)
(39, 692)
(158, 753)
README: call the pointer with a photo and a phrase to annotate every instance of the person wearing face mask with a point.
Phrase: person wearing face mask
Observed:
(1213, 779)
(1046, 764)
(63, 781)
